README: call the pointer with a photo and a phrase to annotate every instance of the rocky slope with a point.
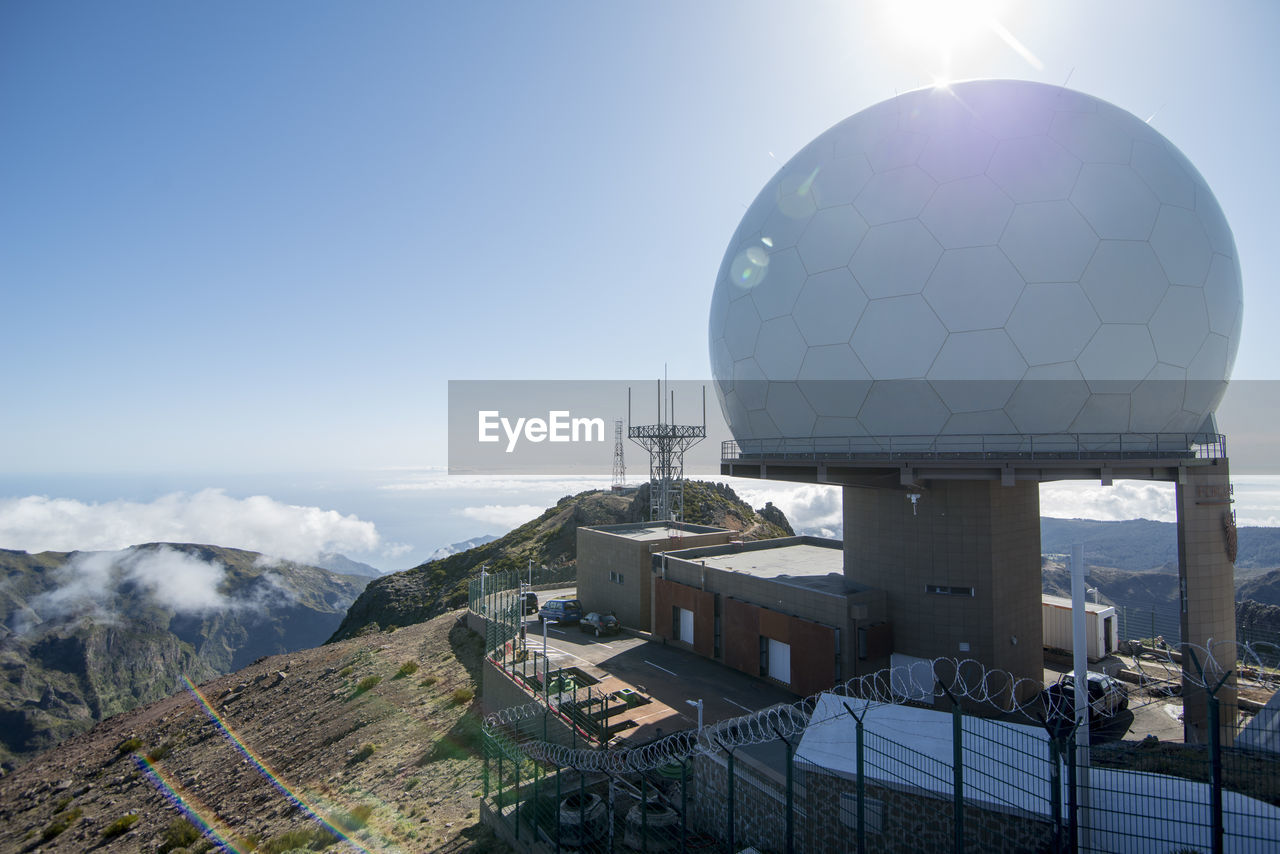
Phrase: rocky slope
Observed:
(372, 736)
(87, 635)
(550, 540)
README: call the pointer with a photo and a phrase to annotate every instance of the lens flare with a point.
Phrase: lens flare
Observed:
(749, 267)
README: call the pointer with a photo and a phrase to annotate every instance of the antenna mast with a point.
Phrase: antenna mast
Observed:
(619, 465)
(666, 443)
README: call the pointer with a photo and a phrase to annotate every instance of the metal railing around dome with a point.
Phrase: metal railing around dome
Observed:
(1030, 446)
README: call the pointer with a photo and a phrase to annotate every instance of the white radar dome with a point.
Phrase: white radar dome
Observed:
(998, 257)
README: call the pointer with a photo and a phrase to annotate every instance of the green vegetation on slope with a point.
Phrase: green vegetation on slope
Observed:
(418, 594)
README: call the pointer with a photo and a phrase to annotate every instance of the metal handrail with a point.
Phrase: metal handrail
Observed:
(1028, 446)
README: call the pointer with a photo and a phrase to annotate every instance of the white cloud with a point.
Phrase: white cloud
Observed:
(504, 516)
(259, 523)
(89, 582)
(810, 507)
(436, 481)
(1128, 499)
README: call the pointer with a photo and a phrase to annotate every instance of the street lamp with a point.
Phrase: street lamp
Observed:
(698, 704)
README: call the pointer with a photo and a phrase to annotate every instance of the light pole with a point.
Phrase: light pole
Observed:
(698, 704)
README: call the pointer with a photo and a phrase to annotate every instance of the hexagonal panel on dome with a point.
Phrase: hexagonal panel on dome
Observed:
(790, 411)
(903, 408)
(895, 149)
(783, 229)
(762, 424)
(831, 238)
(839, 181)
(1052, 323)
(1157, 400)
(780, 349)
(829, 306)
(1048, 398)
(967, 212)
(1179, 326)
(1214, 222)
(1207, 376)
(1115, 201)
(741, 328)
(976, 371)
(895, 259)
(833, 381)
(776, 294)
(1124, 281)
(963, 153)
(1181, 245)
(1222, 295)
(1007, 112)
(1094, 137)
(859, 133)
(721, 358)
(992, 423)
(1033, 169)
(1119, 355)
(898, 337)
(894, 195)
(826, 425)
(1103, 413)
(749, 384)
(1048, 242)
(1161, 172)
(973, 288)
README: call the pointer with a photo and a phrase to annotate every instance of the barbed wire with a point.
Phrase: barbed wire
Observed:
(963, 679)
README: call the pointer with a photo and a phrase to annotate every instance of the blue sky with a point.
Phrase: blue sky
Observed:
(246, 239)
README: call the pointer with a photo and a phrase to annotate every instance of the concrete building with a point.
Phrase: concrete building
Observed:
(779, 609)
(614, 561)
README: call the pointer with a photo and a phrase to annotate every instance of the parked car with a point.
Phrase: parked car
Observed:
(602, 624)
(528, 602)
(1107, 696)
(560, 611)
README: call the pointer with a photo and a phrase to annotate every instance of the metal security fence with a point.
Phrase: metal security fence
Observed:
(968, 784)
(860, 769)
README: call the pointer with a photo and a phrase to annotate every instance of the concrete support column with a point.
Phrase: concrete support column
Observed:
(960, 536)
(1206, 573)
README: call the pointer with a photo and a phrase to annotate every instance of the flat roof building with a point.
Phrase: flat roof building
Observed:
(748, 605)
(614, 560)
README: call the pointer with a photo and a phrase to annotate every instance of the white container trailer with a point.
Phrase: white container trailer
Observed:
(1100, 625)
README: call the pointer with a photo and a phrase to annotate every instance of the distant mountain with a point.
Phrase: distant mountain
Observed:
(344, 565)
(455, 548)
(1141, 544)
(87, 635)
(418, 594)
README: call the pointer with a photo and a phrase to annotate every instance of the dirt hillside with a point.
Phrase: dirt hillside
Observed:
(374, 734)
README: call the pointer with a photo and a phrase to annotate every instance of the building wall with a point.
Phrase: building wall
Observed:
(978, 535)
(668, 595)
(900, 819)
(601, 552)
(816, 625)
(1206, 572)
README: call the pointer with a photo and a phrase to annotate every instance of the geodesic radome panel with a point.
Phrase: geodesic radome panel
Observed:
(997, 257)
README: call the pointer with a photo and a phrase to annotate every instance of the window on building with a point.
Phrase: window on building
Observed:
(944, 590)
(615, 577)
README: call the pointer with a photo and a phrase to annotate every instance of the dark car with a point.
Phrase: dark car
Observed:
(560, 611)
(602, 624)
(1107, 696)
(528, 602)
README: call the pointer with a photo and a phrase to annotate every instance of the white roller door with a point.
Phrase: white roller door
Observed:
(780, 661)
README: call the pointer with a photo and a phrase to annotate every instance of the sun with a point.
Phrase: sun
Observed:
(940, 26)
